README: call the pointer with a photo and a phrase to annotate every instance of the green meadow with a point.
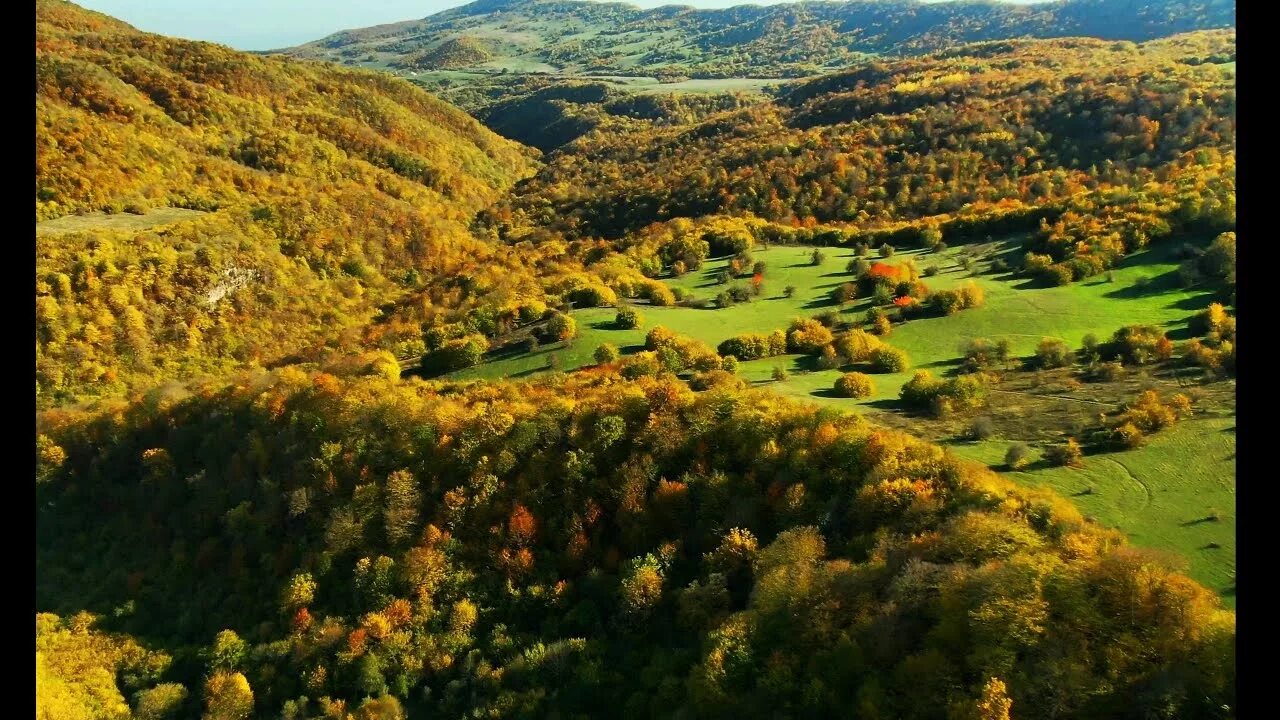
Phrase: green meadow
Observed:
(1162, 495)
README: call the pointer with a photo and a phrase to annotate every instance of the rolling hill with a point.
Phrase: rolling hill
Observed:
(571, 37)
(314, 195)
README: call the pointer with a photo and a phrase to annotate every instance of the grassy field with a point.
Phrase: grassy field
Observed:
(1161, 495)
(1142, 290)
(122, 221)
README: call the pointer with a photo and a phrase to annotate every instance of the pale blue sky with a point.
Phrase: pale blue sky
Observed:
(270, 24)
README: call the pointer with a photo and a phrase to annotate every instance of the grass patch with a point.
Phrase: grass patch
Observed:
(1164, 495)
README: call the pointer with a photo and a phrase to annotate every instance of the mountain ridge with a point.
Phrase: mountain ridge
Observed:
(784, 40)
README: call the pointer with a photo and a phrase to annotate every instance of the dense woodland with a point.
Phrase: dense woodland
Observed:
(1098, 147)
(244, 510)
(596, 546)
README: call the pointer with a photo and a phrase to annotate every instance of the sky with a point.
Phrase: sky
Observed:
(272, 24)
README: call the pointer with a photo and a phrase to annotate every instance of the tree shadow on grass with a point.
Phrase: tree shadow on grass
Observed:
(820, 302)
(1199, 301)
(1159, 285)
(606, 325)
(828, 393)
(894, 405)
(1034, 282)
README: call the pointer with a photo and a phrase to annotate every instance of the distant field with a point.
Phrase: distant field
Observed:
(707, 85)
(121, 221)
(1160, 495)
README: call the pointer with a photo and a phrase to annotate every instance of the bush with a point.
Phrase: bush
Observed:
(729, 364)
(716, 379)
(829, 360)
(658, 336)
(883, 294)
(886, 250)
(1138, 345)
(982, 428)
(1107, 371)
(752, 346)
(888, 359)
(627, 319)
(1067, 454)
(592, 296)
(639, 365)
(1052, 353)
(817, 257)
(1017, 456)
(789, 291)
(605, 354)
(779, 373)
(857, 345)
(931, 270)
(808, 336)
(464, 352)
(561, 327)
(854, 385)
(979, 354)
(843, 293)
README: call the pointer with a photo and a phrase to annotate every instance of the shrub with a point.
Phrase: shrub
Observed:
(1107, 371)
(979, 354)
(1017, 456)
(658, 336)
(829, 360)
(660, 295)
(883, 294)
(982, 428)
(627, 319)
(931, 270)
(729, 364)
(789, 291)
(1138, 345)
(716, 379)
(817, 257)
(888, 359)
(807, 336)
(561, 327)
(605, 354)
(857, 345)
(752, 346)
(1067, 454)
(843, 293)
(464, 352)
(639, 365)
(779, 373)
(886, 250)
(592, 296)
(854, 385)
(1052, 353)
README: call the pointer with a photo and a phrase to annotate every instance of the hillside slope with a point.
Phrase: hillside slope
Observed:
(784, 40)
(598, 547)
(328, 192)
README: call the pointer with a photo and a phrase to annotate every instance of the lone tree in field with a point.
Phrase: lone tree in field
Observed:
(854, 385)
(628, 319)
(606, 353)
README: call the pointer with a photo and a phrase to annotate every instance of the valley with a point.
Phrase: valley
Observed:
(544, 358)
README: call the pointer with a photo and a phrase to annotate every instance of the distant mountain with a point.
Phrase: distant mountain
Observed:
(579, 38)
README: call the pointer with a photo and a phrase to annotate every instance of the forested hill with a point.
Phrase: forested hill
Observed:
(322, 192)
(784, 40)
